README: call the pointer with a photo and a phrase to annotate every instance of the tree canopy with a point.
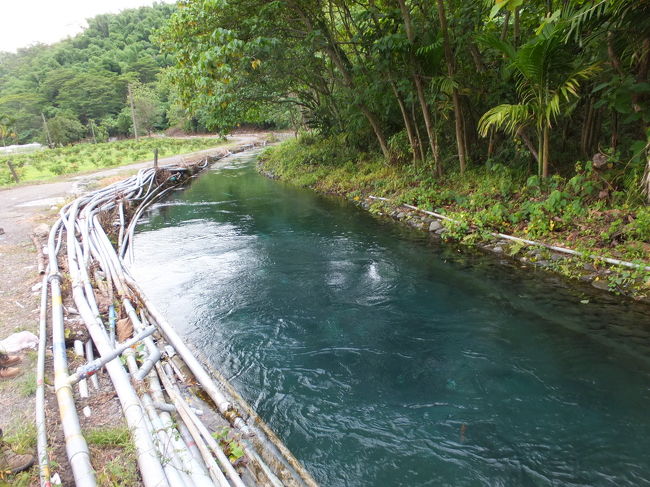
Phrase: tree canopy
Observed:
(447, 83)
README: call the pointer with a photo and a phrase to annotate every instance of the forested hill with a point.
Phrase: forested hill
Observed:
(80, 84)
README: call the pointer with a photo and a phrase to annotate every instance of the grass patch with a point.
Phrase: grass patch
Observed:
(120, 471)
(49, 163)
(114, 456)
(117, 437)
(27, 384)
(22, 438)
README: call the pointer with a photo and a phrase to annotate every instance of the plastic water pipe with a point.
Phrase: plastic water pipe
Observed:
(148, 461)
(555, 248)
(89, 368)
(41, 427)
(76, 446)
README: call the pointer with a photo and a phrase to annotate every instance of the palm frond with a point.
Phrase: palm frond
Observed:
(507, 117)
(495, 42)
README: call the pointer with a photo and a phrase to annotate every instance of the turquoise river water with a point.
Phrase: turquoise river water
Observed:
(384, 358)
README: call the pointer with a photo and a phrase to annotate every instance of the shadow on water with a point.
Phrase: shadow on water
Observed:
(384, 358)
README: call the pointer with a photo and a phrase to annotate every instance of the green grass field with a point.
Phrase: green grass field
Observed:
(50, 163)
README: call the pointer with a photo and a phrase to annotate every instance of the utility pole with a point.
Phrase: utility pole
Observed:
(48, 137)
(135, 126)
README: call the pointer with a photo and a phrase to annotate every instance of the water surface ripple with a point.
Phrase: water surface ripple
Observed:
(382, 358)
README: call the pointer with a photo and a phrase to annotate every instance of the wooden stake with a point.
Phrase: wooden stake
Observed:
(13, 171)
(155, 159)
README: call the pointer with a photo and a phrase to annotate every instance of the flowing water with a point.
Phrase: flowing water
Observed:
(383, 358)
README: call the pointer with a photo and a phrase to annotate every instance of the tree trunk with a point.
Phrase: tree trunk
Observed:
(490, 149)
(614, 138)
(506, 25)
(476, 57)
(545, 157)
(13, 171)
(407, 122)
(428, 124)
(517, 23)
(458, 112)
(424, 106)
(530, 146)
(584, 139)
(417, 131)
(341, 61)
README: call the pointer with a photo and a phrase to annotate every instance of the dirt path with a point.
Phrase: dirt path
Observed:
(21, 209)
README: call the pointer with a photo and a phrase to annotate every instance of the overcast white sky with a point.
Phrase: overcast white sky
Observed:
(26, 22)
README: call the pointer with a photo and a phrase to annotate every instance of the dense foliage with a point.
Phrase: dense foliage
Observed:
(445, 84)
(80, 85)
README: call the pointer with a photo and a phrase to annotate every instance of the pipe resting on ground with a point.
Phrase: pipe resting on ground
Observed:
(555, 248)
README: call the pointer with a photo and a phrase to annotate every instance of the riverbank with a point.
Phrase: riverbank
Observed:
(571, 212)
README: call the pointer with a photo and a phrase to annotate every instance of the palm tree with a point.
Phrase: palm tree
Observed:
(546, 77)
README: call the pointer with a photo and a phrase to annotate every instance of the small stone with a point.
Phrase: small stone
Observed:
(498, 249)
(556, 257)
(400, 215)
(435, 226)
(600, 284)
(2, 231)
(542, 263)
(41, 230)
(37, 286)
(588, 267)
(440, 231)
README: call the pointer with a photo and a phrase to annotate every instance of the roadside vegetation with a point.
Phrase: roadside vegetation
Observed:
(49, 163)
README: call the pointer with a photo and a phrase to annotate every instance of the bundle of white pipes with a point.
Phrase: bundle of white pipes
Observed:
(174, 447)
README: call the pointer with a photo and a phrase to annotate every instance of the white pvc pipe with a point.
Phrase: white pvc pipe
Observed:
(181, 404)
(149, 463)
(41, 426)
(76, 446)
(194, 468)
(555, 248)
(213, 469)
(83, 385)
(90, 356)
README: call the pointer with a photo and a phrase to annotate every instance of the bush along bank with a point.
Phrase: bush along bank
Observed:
(581, 211)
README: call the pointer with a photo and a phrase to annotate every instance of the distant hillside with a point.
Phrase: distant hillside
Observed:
(80, 84)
